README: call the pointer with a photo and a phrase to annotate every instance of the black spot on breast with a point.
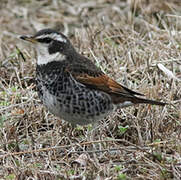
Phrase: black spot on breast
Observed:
(60, 88)
(68, 98)
(96, 108)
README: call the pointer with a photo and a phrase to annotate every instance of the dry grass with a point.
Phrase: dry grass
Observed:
(127, 39)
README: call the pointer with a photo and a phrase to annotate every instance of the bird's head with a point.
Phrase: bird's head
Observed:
(50, 46)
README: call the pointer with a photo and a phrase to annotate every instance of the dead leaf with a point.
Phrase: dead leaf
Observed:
(17, 112)
(81, 160)
(167, 72)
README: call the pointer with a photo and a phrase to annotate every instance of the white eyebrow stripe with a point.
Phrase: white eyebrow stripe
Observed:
(56, 37)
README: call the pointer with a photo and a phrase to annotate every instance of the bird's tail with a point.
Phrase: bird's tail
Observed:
(137, 100)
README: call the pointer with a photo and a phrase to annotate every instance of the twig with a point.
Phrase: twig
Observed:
(68, 146)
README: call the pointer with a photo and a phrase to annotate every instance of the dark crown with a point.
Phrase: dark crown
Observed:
(57, 42)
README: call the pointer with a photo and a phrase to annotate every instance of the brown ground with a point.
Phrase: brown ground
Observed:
(138, 43)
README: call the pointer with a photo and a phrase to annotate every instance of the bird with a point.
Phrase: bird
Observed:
(71, 86)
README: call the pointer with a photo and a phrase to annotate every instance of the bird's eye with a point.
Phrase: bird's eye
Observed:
(45, 40)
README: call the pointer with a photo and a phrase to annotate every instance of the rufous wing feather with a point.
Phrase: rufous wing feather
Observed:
(104, 83)
(118, 93)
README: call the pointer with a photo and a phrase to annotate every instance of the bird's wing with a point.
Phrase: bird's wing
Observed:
(96, 79)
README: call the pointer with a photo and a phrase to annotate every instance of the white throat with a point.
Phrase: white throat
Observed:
(43, 56)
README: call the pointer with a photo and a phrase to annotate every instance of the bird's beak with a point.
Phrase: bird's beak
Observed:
(28, 38)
